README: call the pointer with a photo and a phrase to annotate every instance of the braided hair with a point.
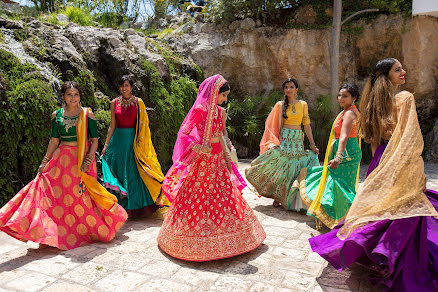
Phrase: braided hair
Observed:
(286, 100)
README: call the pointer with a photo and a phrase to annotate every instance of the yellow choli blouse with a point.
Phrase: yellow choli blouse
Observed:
(297, 113)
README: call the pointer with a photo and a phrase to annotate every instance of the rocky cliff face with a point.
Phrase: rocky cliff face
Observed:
(103, 52)
(257, 59)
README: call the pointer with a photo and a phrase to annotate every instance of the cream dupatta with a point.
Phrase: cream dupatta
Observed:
(395, 189)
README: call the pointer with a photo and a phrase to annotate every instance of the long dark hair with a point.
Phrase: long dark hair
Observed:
(377, 117)
(286, 100)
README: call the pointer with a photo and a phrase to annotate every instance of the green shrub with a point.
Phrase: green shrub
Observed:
(246, 118)
(108, 19)
(172, 100)
(78, 15)
(103, 118)
(25, 115)
(321, 121)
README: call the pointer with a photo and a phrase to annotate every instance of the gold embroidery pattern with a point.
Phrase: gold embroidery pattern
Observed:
(125, 103)
(220, 230)
(273, 173)
(68, 122)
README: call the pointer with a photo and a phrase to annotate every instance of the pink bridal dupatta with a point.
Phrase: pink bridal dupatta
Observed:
(202, 112)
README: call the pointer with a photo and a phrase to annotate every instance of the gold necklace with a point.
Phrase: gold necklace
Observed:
(68, 121)
(127, 102)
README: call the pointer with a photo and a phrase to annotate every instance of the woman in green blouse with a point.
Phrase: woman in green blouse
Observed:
(64, 206)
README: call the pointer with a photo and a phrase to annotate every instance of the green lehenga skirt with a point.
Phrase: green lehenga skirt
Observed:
(121, 176)
(274, 172)
(340, 188)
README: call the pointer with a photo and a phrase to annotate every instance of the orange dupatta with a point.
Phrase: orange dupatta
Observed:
(96, 191)
(273, 125)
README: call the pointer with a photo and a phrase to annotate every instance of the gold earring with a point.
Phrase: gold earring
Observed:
(63, 104)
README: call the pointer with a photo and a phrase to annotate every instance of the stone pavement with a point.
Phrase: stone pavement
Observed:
(133, 261)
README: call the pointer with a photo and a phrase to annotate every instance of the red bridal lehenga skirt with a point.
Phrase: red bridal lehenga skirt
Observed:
(54, 209)
(209, 219)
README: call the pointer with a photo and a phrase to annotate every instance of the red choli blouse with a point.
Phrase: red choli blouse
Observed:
(126, 116)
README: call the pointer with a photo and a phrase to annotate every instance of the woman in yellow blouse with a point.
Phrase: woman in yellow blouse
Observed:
(282, 153)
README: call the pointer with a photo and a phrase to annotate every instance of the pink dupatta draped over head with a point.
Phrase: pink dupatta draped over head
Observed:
(195, 129)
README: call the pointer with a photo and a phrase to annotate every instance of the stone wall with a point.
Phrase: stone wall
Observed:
(257, 59)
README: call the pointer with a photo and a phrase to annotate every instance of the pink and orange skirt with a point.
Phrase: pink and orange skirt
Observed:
(55, 208)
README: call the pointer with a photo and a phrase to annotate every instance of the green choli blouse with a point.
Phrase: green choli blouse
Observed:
(65, 127)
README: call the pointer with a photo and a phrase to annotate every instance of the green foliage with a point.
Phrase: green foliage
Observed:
(172, 100)
(322, 120)
(78, 15)
(393, 6)
(25, 115)
(246, 118)
(103, 118)
(109, 19)
(272, 11)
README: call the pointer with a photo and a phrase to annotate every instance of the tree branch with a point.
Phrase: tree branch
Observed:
(357, 13)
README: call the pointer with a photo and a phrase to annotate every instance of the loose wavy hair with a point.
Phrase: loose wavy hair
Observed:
(378, 119)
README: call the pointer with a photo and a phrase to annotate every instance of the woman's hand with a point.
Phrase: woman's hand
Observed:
(41, 167)
(104, 150)
(202, 149)
(333, 164)
(315, 150)
(272, 146)
(85, 167)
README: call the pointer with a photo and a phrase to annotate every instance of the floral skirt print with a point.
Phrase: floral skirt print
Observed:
(274, 172)
(209, 219)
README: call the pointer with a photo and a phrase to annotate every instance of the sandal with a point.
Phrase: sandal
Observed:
(318, 224)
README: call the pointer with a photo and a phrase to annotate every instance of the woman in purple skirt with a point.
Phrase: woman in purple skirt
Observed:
(392, 225)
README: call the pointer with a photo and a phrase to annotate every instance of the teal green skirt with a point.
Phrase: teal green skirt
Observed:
(340, 188)
(273, 173)
(121, 176)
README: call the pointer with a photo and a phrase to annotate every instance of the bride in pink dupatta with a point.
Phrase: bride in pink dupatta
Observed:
(208, 218)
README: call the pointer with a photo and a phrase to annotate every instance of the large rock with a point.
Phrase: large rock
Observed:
(431, 144)
(62, 18)
(10, 24)
(141, 47)
(257, 60)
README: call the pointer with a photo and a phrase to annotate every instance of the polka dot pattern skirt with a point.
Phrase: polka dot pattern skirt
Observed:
(55, 208)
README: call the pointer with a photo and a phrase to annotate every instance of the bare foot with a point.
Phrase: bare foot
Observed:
(276, 204)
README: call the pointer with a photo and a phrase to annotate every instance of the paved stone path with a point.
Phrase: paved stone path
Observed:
(133, 262)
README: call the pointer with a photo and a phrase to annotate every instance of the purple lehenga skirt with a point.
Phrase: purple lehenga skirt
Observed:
(402, 254)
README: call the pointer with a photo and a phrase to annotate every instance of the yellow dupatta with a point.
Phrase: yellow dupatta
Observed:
(96, 191)
(146, 158)
(316, 203)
